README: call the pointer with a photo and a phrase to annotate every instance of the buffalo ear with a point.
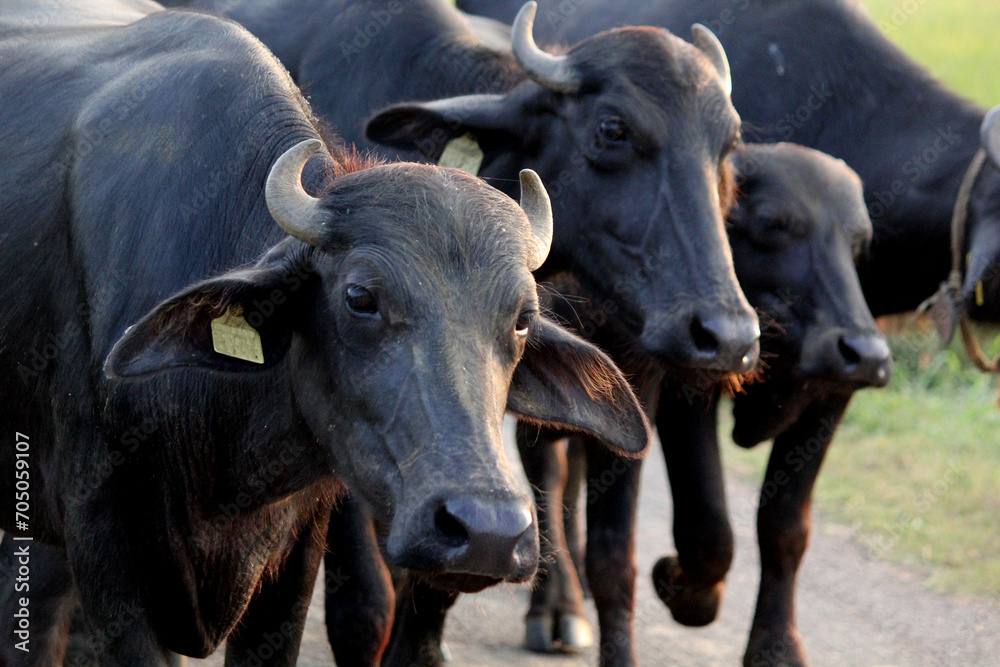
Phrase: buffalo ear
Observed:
(426, 127)
(565, 382)
(989, 134)
(253, 330)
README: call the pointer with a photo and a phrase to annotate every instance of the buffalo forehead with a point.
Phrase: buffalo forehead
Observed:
(437, 210)
(813, 185)
(659, 79)
(655, 61)
(439, 231)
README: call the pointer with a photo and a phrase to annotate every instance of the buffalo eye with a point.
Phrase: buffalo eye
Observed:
(612, 130)
(360, 300)
(523, 324)
(779, 225)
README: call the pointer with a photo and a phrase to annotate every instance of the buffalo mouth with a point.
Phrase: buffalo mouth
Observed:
(461, 582)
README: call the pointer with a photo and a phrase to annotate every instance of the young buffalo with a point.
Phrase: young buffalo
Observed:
(799, 226)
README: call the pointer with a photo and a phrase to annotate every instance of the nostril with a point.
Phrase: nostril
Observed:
(848, 353)
(704, 340)
(450, 530)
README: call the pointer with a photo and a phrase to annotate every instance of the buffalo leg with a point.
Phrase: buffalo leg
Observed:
(358, 590)
(118, 631)
(576, 540)
(270, 631)
(783, 531)
(691, 583)
(612, 497)
(555, 617)
(48, 585)
(419, 625)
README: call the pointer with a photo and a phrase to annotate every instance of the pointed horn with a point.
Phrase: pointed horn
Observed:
(989, 135)
(553, 72)
(709, 44)
(295, 211)
(536, 205)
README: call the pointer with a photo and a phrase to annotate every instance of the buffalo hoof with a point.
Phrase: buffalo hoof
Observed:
(690, 604)
(570, 634)
(538, 634)
(776, 649)
(574, 633)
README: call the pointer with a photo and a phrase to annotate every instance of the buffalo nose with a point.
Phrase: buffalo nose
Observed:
(729, 344)
(484, 538)
(866, 357)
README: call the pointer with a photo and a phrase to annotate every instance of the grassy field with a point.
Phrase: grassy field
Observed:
(955, 39)
(915, 468)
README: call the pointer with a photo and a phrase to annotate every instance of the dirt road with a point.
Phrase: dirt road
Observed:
(852, 611)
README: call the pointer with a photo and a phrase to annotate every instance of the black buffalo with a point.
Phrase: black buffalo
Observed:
(795, 237)
(635, 161)
(633, 158)
(188, 427)
(821, 74)
(798, 227)
(800, 224)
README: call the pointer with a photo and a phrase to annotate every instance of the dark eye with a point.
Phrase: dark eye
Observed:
(360, 300)
(523, 324)
(781, 224)
(612, 130)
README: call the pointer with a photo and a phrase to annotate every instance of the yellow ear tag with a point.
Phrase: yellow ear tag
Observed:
(462, 153)
(233, 337)
(979, 293)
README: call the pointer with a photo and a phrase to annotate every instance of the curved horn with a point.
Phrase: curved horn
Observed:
(553, 72)
(536, 205)
(989, 134)
(709, 44)
(295, 211)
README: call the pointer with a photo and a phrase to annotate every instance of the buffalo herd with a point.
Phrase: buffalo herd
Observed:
(270, 289)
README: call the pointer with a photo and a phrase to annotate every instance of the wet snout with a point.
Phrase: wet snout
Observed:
(482, 537)
(718, 343)
(486, 537)
(861, 359)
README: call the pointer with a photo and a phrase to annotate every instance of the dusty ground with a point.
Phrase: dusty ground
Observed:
(852, 611)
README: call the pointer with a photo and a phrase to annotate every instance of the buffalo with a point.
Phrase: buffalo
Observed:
(194, 385)
(798, 228)
(821, 74)
(635, 161)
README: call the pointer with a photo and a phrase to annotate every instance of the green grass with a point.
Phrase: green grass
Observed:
(955, 39)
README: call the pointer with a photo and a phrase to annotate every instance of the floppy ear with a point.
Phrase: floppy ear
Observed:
(427, 127)
(238, 322)
(565, 382)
